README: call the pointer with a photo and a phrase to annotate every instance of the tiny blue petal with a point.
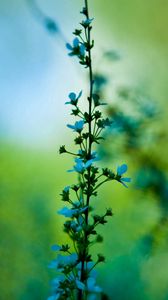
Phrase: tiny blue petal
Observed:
(66, 188)
(78, 126)
(80, 285)
(72, 96)
(126, 179)
(70, 126)
(91, 285)
(87, 21)
(79, 167)
(122, 169)
(89, 163)
(66, 212)
(76, 42)
(82, 50)
(69, 47)
(55, 247)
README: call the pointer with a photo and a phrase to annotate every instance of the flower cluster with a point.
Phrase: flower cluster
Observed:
(75, 264)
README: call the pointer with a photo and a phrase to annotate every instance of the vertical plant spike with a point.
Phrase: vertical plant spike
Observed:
(75, 265)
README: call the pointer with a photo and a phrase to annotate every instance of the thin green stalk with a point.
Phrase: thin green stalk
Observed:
(88, 36)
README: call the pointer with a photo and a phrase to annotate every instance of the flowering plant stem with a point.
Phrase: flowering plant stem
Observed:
(77, 268)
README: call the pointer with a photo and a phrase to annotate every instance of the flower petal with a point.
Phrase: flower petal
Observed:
(122, 169)
(69, 47)
(76, 42)
(55, 247)
(80, 285)
(70, 126)
(126, 179)
(72, 96)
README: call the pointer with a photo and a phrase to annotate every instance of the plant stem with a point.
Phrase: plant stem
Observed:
(84, 254)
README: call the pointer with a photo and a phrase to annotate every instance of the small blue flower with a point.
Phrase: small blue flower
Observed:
(70, 213)
(120, 171)
(66, 189)
(87, 22)
(63, 260)
(77, 48)
(74, 98)
(75, 44)
(80, 166)
(78, 126)
(75, 226)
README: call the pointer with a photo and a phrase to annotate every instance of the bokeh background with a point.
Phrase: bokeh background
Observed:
(36, 75)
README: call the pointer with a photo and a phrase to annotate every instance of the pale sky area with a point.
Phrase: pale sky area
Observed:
(36, 74)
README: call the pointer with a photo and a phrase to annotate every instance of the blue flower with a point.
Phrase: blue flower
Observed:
(74, 98)
(63, 260)
(77, 226)
(80, 166)
(77, 48)
(75, 44)
(78, 126)
(66, 189)
(120, 171)
(70, 213)
(87, 22)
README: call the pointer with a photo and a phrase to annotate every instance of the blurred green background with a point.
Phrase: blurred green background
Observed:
(36, 76)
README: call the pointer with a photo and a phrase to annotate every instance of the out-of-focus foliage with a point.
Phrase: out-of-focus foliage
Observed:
(28, 185)
(136, 134)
